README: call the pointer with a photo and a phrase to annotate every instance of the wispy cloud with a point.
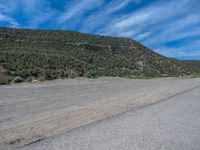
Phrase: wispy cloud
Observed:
(37, 12)
(183, 27)
(4, 14)
(190, 49)
(143, 35)
(32, 13)
(9, 20)
(101, 16)
(141, 19)
(76, 10)
(180, 52)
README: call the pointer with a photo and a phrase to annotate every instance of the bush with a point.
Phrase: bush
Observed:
(3, 79)
(196, 76)
(91, 74)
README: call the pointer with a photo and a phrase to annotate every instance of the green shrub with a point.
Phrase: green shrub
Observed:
(91, 74)
(196, 76)
(141, 76)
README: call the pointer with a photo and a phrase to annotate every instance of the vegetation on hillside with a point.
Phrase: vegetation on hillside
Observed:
(194, 65)
(3, 77)
(45, 54)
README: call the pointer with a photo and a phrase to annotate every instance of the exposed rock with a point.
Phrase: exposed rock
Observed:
(18, 79)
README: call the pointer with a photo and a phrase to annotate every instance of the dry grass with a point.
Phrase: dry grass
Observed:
(3, 79)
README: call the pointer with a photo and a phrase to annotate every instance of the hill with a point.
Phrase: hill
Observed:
(46, 54)
(193, 64)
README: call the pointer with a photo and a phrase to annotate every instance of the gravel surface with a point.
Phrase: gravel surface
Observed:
(33, 113)
(173, 124)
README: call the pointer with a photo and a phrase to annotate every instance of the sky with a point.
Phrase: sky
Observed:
(169, 27)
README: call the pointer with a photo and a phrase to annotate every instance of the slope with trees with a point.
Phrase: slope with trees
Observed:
(46, 54)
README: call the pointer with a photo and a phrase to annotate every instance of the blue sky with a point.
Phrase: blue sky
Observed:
(169, 27)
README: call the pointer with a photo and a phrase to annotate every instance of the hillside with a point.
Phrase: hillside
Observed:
(45, 54)
(194, 65)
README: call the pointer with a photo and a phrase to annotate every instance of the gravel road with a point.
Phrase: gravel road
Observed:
(105, 113)
(169, 125)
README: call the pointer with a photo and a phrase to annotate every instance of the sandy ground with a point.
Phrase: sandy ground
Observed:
(30, 113)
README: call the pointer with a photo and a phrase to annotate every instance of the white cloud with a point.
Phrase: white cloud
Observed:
(37, 12)
(182, 53)
(143, 35)
(181, 28)
(103, 15)
(5, 9)
(34, 12)
(139, 20)
(189, 49)
(10, 20)
(78, 8)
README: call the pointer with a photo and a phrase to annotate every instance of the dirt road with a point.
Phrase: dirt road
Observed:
(173, 124)
(30, 113)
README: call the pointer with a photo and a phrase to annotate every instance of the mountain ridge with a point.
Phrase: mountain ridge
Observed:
(51, 54)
